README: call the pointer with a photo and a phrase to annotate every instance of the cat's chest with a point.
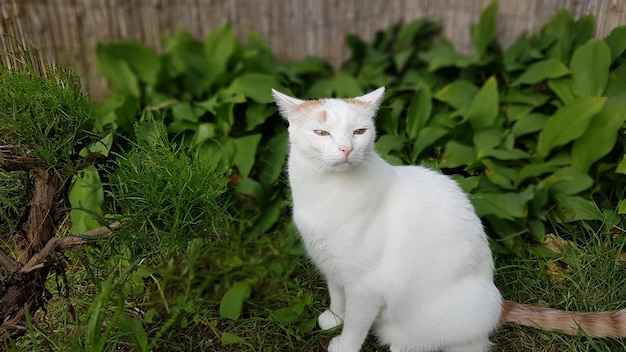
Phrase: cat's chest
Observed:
(341, 228)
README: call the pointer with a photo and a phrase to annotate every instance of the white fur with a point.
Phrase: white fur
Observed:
(401, 247)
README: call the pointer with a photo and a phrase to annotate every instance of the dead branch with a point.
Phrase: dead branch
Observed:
(7, 263)
(13, 162)
(57, 244)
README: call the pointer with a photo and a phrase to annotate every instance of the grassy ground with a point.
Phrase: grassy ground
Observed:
(178, 304)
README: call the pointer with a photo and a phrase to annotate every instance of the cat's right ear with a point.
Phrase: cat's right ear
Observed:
(285, 103)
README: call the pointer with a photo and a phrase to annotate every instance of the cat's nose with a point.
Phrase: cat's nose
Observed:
(346, 151)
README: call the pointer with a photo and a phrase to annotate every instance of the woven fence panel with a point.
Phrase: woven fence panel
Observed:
(66, 32)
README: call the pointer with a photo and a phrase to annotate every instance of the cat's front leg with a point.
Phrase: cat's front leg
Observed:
(333, 317)
(361, 310)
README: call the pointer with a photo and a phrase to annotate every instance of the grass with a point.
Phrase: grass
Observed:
(178, 304)
(587, 276)
(48, 114)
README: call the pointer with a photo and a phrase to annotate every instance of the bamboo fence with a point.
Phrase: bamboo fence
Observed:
(65, 32)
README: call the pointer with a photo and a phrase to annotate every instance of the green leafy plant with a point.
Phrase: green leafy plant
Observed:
(165, 195)
(534, 133)
(213, 95)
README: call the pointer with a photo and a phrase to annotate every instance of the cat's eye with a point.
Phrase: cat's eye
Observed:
(360, 131)
(321, 133)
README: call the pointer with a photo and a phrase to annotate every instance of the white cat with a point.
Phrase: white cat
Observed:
(401, 247)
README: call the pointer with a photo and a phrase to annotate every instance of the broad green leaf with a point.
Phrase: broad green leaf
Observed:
(272, 159)
(599, 138)
(286, 316)
(503, 205)
(512, 55)
(387, 142)
(621, 167)
(268, 217)
(86, 196)
(292, 314)
(467, 184)
(487, 139)
(117, 72)
(401, 58)
(427, 137)
(126, 63)
(484, 32)
(590, 68)
(541, 71)
(342, 85)
(232, 339)
(456, 154)
(119, 110)
(569, 181)
(346, 85)
(616, 84)
(257, 114)
(537, 229)
(256, 86)
(185, 59)
(458, 94)
(419, 111)
(534, 169)
(408, 32)
(616, 41)
(503, 154)
(388, 117)
(251, 188)
(204, 131)
(103, 146)
(133, 328)
(562, 87)
(621, 209)
(568, 123)
(225, 118)
(515, 112)
(184, 111)
(483, 110)
(561, 26)
(584, 30)
(231, 304)
(219, 47)
(444, 55)
(619, 99)
(502, 176)
(525, 96)
(530, 123)
(245, 153)
(574, 208)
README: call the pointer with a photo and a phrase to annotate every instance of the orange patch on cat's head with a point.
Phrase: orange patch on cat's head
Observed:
(322, 116)
(309, 105)
(354, 101)
(307, 109)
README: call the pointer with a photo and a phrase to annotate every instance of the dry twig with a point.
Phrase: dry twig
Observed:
(56, 244)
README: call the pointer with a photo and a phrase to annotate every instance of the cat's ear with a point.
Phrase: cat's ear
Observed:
(373, 98)
(286, 104)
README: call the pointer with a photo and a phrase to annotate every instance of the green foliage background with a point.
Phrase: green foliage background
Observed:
(534, 132)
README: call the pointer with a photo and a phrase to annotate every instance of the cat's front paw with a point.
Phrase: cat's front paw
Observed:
(329, 320)
(338, 344)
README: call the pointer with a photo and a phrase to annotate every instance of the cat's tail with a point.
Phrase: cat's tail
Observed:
(601, 324)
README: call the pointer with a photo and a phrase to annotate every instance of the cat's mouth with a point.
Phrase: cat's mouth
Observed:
(343, 164)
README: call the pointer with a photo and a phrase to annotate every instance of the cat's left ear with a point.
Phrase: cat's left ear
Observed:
(286, 104)
(373, 98)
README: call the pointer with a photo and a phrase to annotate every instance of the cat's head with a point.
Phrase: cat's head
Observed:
(333, 134)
